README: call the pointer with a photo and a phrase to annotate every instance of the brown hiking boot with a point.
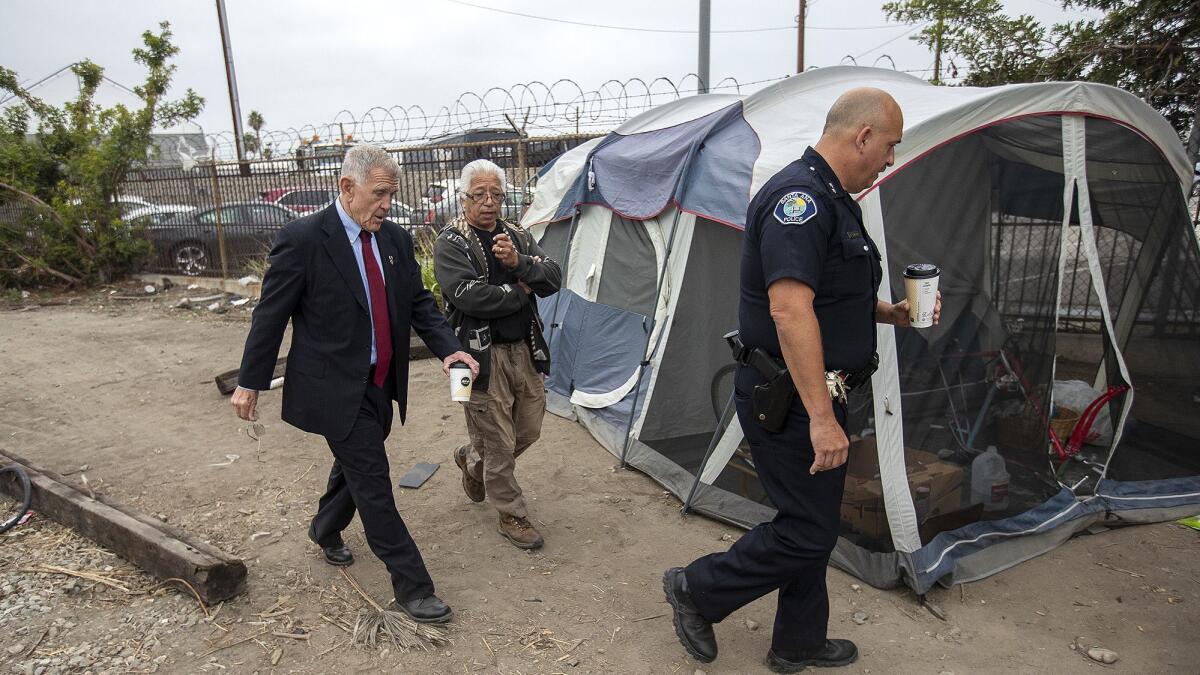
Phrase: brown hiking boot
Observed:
(520, 532)
(471, 486)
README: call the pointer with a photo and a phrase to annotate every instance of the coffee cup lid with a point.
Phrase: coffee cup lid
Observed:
(460, 364)
(921, 271)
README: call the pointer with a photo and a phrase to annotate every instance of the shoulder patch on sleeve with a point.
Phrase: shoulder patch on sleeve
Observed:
(795, 208)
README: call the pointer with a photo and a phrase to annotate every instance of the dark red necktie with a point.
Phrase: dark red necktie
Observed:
(379, 311)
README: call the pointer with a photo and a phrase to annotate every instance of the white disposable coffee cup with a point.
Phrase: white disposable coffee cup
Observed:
(460, 381)
(921, 285)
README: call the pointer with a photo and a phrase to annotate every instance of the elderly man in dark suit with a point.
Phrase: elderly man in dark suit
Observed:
(351, 286)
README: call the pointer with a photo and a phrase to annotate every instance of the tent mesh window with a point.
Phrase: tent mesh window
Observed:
(693, 378)
(986, 377)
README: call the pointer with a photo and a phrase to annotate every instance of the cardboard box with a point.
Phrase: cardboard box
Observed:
(937, 488)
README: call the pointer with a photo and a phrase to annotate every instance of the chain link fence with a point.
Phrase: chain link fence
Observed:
(220, 218)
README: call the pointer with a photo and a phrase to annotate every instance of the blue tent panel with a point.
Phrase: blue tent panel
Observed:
(640, 174)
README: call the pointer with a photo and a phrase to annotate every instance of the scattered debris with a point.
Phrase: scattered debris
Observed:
(417, 475)
(1118, 569)
(1194, 521)
(856, 588)
(186, 302)
(934, 609)
(859, 617)
(1102, 655)
(249, 279)
(1094, 651)
(751, 624)
(229, 459)
(149, 288)
(375, 622)
(239, 302)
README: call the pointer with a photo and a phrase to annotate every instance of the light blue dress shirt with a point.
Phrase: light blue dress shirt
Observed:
(352, 232)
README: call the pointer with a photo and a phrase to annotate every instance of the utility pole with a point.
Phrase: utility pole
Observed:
(800, 36)
(937, 49)
(231, 79)
(705, 33)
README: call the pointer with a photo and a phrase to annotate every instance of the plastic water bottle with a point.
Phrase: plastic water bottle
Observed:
(989, 481)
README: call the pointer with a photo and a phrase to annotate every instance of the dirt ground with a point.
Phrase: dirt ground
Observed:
(124, 387)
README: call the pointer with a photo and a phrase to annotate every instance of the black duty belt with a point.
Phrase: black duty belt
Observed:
(838, 382)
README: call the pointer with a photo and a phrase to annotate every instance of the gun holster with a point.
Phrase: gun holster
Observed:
(772, 399)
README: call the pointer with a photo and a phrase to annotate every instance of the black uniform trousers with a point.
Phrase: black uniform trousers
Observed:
(789, 553)
(360, 480)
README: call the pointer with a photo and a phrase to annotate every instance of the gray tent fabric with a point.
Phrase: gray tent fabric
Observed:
(629, 267)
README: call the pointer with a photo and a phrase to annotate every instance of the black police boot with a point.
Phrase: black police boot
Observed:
(334, 555)
(693, 630)
(832, 654)
(429, 609)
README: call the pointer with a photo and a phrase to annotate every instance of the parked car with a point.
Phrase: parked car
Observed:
(187, 242)
(442, 203)
(300, 200)
(153, 213)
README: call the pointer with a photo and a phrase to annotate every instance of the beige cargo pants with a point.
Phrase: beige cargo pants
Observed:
(503, 422)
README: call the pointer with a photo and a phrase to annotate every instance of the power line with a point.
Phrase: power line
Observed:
(638, 29)
(891, 40)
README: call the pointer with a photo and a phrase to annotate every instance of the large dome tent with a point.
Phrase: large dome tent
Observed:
(1057, 212)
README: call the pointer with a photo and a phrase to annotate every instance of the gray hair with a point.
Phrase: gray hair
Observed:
(480, 167)
(364, 157)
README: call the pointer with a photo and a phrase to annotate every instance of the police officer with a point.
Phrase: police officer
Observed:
(809, 278)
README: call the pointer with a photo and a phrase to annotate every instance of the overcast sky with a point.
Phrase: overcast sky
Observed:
(301, 62)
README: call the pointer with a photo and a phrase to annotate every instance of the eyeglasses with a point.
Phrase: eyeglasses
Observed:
(481, 197)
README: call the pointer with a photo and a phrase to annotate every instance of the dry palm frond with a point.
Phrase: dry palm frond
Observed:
(375, 622)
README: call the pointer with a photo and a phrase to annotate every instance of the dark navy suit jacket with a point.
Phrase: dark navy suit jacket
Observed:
(314, 282)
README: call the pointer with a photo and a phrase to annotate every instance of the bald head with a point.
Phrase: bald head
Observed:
(861, 132)
(864, 106)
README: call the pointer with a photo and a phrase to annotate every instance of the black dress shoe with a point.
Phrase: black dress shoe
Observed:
(334, 555)
(694, 631)
(832, 654)
(429, 609)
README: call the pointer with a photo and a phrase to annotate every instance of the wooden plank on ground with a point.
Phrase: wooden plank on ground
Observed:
(227, 381)
(152, 545)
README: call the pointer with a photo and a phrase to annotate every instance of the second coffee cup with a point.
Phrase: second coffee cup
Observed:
(921, 286)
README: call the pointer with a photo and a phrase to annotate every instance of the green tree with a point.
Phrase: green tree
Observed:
(1148, 47)
(68, 163)
(256, 122)
(250, 143)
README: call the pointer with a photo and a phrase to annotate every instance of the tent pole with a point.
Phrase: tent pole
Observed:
(566, 260)
(722, 427)
(637, 386)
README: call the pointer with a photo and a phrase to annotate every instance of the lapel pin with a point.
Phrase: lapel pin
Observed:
(391, 260)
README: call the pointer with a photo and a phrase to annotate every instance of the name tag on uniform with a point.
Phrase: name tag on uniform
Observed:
(796, 208)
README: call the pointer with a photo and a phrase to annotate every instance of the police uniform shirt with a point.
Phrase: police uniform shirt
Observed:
(802, 225)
